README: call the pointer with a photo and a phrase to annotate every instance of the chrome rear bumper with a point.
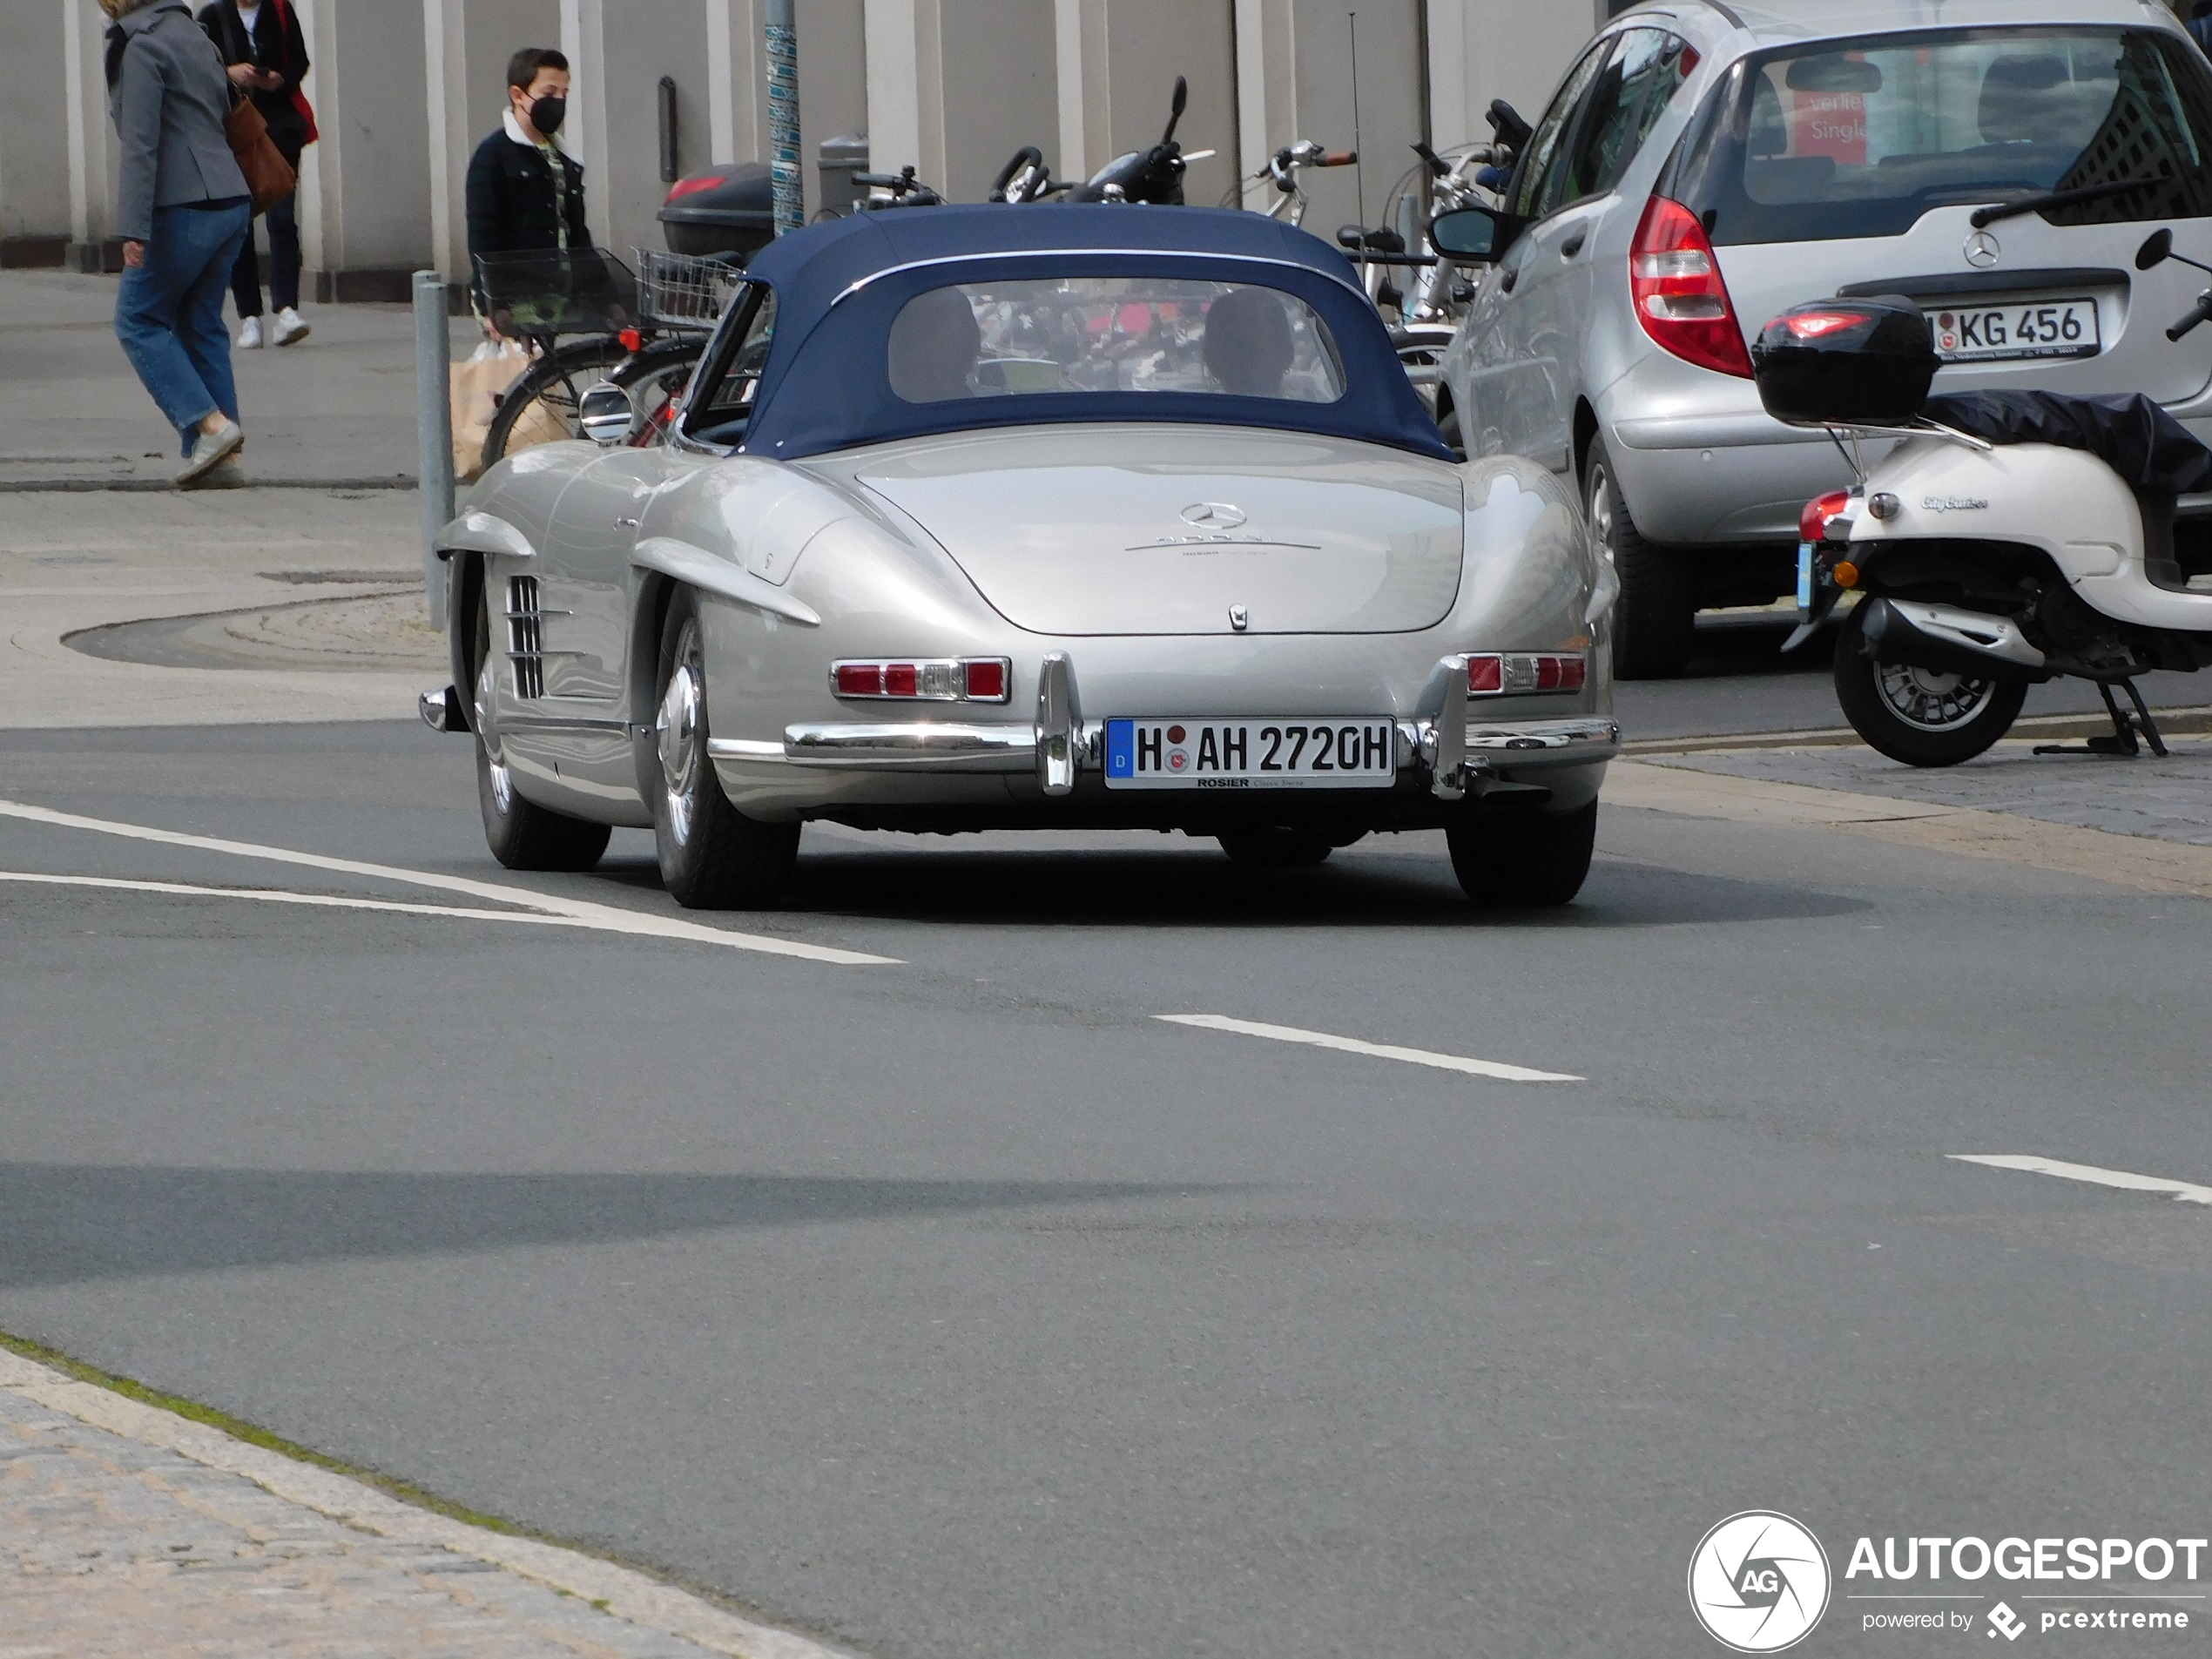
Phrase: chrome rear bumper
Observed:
(1059, 744)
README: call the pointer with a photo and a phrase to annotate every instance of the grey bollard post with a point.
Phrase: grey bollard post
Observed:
(434, 423)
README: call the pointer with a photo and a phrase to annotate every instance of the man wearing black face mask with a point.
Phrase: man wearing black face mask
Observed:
(526, 194)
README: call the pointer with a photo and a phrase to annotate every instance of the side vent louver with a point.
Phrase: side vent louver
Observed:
(525, 637)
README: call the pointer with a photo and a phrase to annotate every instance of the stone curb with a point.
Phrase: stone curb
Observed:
(622, 1592)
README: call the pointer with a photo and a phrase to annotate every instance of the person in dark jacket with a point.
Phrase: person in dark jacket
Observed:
(266, 54)
(182, 209)
(525, 195)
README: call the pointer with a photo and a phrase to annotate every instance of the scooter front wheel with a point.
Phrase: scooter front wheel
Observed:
(1919, 715)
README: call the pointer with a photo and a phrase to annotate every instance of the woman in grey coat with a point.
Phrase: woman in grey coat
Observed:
(183, 211)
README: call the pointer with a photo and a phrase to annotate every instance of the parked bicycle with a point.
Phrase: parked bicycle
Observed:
(589, 318)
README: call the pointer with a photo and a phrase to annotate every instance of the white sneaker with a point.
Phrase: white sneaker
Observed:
(208, 450)
(290, 326)
(249, 335)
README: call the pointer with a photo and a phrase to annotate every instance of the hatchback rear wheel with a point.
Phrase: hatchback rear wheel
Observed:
(1654, 621)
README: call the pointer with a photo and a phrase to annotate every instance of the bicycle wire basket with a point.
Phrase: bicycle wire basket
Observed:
(557, 291)
(685, 290)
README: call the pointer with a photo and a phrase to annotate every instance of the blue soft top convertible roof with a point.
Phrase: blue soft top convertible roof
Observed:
(839, 286)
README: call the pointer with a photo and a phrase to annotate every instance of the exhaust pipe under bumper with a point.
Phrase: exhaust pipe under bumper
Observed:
(1948, 640)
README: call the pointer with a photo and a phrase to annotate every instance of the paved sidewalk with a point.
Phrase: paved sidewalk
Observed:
(339, 407)
(2167, 800)
(126, 1530)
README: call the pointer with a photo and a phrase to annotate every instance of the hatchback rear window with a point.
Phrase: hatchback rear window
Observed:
(1861, 137)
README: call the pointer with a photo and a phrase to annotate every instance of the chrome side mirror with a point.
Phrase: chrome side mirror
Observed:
(606, 414)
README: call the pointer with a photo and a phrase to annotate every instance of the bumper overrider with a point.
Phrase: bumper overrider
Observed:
(1467, 747)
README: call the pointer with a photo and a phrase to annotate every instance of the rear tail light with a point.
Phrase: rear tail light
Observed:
(1680, 298)
(955, 680)
(1520, 673)
(1825, 516)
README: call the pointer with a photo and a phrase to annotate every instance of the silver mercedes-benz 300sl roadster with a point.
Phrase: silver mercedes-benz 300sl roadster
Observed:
(1063, 517)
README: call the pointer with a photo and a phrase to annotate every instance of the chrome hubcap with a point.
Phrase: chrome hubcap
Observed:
(1934, 702)
(503, 780)
(677, 728)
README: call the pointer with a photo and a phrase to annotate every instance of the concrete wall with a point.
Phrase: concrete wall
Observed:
(365, 188)
(34, 140)
(833, 81)
(1392, 107)
(406, 89)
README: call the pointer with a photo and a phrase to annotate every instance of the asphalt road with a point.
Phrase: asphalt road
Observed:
(962, 1305)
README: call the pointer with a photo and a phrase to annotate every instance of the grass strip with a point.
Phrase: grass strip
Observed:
(253, 1434)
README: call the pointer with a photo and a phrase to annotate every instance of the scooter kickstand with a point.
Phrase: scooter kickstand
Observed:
(2147, 727)
(2124, 727)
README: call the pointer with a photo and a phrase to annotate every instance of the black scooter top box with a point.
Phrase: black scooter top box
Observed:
(1866, 362)
(732, 217)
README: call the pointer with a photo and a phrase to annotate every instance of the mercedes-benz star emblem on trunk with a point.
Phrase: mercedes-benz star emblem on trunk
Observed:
(1983, 250)
(1213, 515)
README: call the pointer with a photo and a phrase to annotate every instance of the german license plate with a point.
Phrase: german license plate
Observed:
(2043, 328)
(1304, 751)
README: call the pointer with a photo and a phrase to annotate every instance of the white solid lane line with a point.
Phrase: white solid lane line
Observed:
(277, 895)
(2186, 1191)
(604, 917)
(1378, 1050)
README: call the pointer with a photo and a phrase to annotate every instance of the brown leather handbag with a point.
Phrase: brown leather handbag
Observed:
(269, 177)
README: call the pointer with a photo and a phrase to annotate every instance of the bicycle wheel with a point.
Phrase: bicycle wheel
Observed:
(541, 406)
(655, 378)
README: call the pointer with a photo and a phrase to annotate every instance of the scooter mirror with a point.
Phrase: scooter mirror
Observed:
(2157, 248)
(1182, 97)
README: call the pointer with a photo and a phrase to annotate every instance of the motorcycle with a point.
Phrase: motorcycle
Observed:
(2005, 539)
(1153, 175)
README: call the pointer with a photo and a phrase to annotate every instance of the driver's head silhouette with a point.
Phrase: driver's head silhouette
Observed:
(934, 347)
(1248, 343)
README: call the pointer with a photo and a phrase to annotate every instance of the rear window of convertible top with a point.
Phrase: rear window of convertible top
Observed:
(1032, 337)
(1861, 137)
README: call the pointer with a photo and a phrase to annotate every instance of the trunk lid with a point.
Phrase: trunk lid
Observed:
(2033, 264)
(1162, 530)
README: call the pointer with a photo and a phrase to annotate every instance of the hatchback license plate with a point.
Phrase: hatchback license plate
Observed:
(1308, 752)
(2043, 328)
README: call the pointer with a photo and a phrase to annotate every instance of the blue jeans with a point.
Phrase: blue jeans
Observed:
(169, 314)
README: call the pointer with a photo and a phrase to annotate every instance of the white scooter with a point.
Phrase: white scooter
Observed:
(2008, 538)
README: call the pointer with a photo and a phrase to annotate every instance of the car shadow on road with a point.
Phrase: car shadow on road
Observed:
(67, 1224)
(1188, 885)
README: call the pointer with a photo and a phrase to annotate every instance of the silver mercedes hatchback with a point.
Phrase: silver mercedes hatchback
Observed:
(1704, 165)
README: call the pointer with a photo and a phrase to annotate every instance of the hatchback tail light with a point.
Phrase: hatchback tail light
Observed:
(957, 680)
(1825, 516)
(1680, 298)
(1521, 673)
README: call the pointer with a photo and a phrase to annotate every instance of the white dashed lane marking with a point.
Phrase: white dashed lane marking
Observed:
(1376, 1050)
(574, 912)
(2186, 1191)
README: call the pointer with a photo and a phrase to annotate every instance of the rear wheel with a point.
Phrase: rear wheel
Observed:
(712, 857)
(1276, 846)
(521, 834)
(1654, 621)
(1918, 715)
(1524, 859)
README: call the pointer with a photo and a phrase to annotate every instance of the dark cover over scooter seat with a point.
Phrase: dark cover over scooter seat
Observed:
(2154, 454)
